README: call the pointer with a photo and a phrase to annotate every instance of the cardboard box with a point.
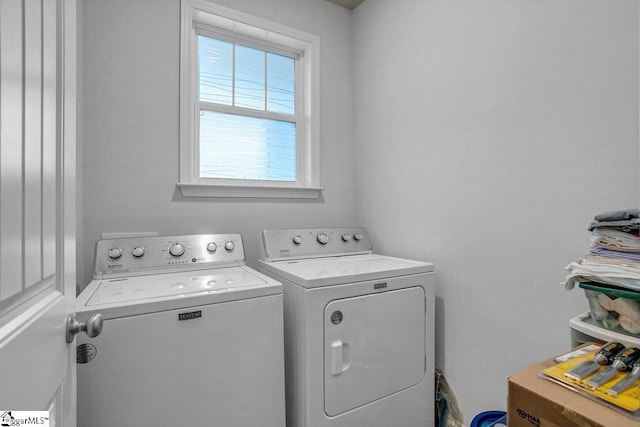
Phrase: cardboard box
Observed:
(538, 402)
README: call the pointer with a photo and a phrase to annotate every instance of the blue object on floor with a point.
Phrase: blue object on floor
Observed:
(490, 419)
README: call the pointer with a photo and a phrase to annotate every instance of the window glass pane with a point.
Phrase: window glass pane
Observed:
(237, 147)
(215, 73)
(280, 84)
(250, 69)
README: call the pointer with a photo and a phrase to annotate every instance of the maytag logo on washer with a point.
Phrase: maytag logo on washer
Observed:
(24, 418)
(190, 315)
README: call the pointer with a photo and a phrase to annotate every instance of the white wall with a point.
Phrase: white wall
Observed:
(488, 134)
(130, 62)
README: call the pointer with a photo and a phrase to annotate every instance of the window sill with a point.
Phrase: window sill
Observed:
(248, 192)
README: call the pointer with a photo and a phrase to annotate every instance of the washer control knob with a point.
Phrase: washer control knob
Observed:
(357, 237)
(229, 246)
(297, 239)
(346, 237)
(138, 251)
(212, 247)
(176, 249)
(323, 239)
(115, 253)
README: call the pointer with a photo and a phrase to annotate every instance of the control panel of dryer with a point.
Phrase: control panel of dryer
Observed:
(144, 255)
(300, 243)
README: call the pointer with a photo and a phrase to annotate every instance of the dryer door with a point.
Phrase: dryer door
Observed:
(374, 346)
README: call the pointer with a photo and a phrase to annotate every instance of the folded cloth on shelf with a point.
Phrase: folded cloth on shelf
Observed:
(599, 250)
(618, 215)
(608, 270)
(616, 240)
(625, 220)
(614, 256)
(632, 224)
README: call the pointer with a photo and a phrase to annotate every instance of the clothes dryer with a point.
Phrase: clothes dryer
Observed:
(192, 336)
(359, 330)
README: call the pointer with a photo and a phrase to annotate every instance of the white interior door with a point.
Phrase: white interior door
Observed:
(37, 205)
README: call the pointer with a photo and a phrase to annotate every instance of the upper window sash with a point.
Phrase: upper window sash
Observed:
(262, 113)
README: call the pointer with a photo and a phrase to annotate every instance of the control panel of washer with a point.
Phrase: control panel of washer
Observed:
(313, 242)
(142, 255)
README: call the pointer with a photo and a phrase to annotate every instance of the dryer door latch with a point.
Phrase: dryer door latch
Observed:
(339, 357)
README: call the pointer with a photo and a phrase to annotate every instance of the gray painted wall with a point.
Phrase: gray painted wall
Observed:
(480, 135)
(130, 64)
(488, 134)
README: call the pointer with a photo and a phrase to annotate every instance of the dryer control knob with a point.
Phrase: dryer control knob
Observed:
(229, 246)
(212, 247)
(176, 249)
(297, 239)
(323, 239)
(115, 253)
(346, 237)
(138, 251)
(357, 237)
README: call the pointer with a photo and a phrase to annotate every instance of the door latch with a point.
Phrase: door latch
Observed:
(92, 327)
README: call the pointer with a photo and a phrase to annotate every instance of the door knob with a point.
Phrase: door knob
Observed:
(92, 327)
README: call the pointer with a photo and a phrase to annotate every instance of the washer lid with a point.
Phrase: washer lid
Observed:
(312, 273)
(143, 294)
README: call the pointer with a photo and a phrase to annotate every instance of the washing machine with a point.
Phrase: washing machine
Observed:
(359, 329)
(191, 336)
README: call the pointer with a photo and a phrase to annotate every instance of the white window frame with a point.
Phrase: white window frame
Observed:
(202, 17)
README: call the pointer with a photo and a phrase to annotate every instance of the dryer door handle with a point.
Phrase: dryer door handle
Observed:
(339, 357)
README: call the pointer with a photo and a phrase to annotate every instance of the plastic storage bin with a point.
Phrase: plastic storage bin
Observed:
(490, 419)
(614, 308)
